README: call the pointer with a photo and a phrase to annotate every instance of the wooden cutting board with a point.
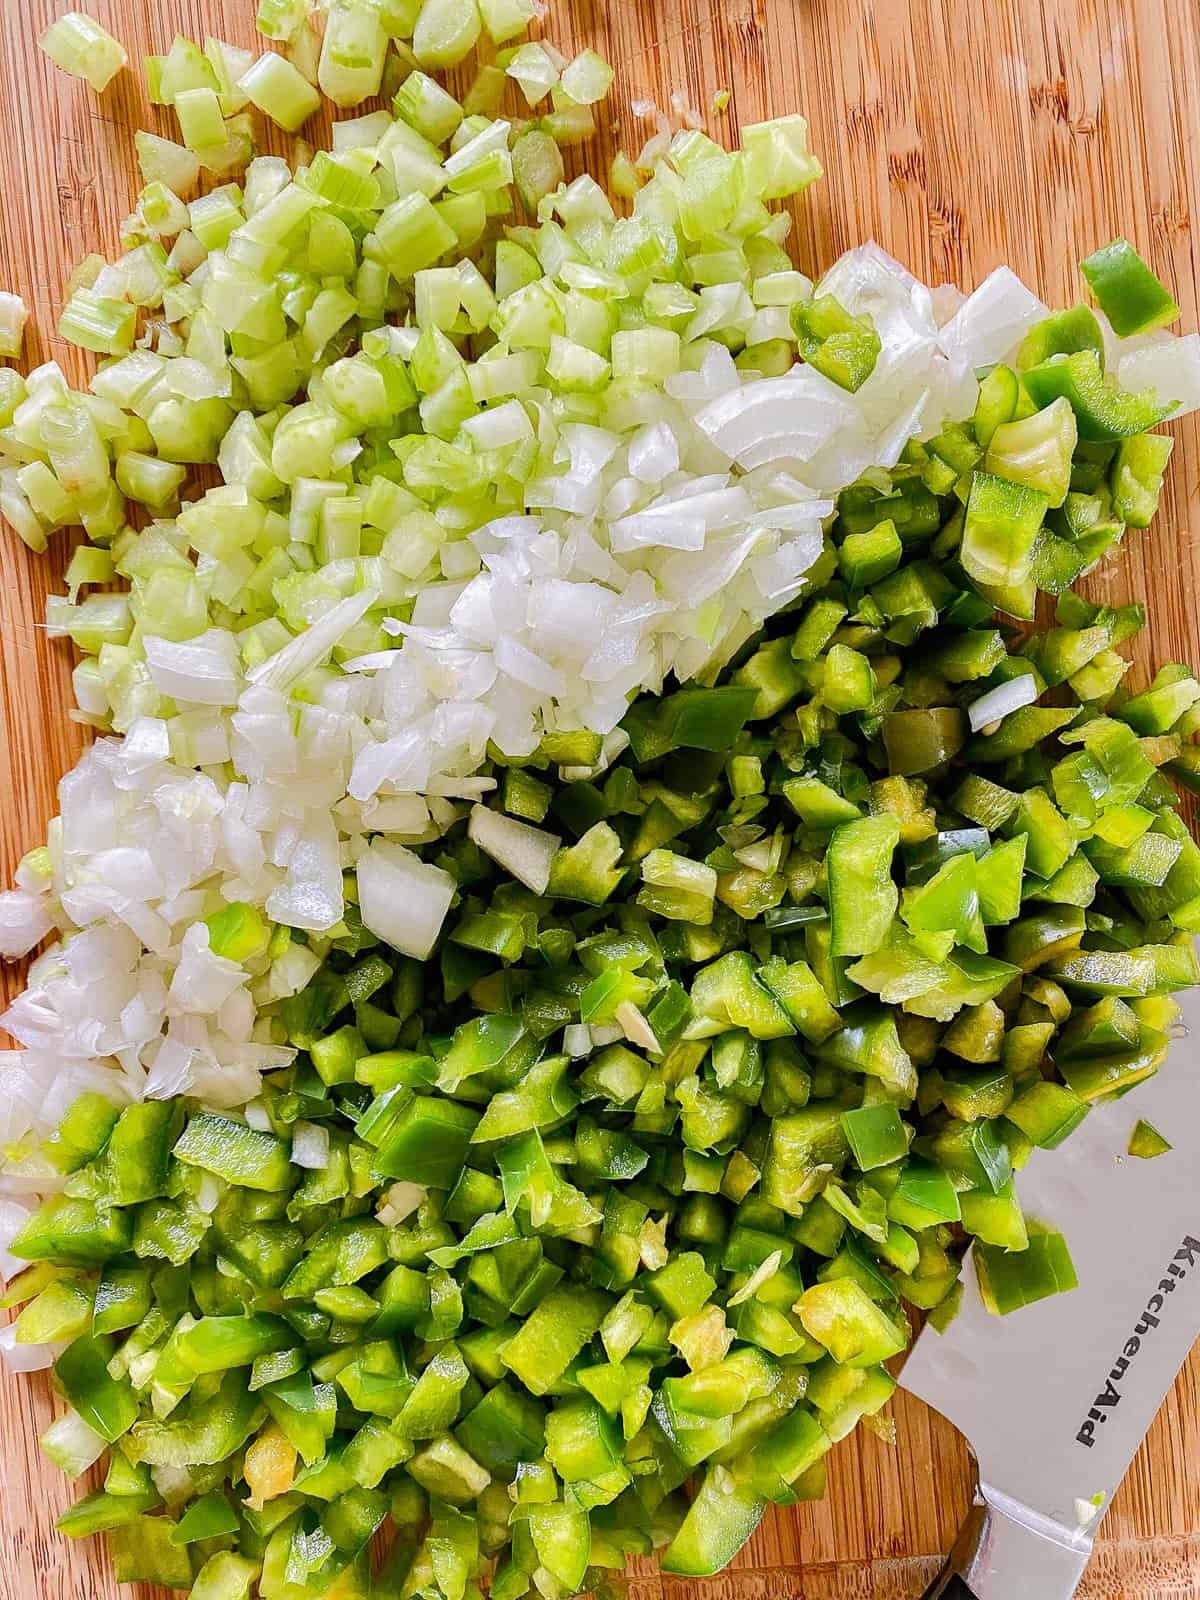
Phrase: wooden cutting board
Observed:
(959, 135)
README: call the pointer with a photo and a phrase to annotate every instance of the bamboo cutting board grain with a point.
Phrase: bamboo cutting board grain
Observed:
(959, 135)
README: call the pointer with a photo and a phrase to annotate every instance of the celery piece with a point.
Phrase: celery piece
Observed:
(587, 78)
(505, 19)
(279, 91)
(80, 46)
(445, 32)
(13, 317)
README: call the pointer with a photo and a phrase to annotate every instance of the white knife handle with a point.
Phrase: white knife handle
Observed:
(1004, 1550)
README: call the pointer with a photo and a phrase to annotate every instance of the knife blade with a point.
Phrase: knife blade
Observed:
(1055, 1399)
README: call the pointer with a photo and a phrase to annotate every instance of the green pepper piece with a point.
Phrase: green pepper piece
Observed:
(433, 1405)
(1149, 969)
(341, 1253)
(561, 1537)
(69, 1231)
(924, 1196)
(305, 1411)
(102, 1512)
(525, 796)
(817, 805)
(847, 1395)
(1047, 1113)
(1137, 477)
(847, 683)
(842, 347)
(976, 1034)
(995, 1218)
(242, 1156)
(588, 870)
(1061, 334)
(1020, 731)
(949, 902)
(920, 741)
(862, 897)
(876, 1135)
(238, 932)
(999, 881)
(976, 1151)
(225, 1576)
(106, 1404)
(209, 1517)
(841, 1316)
(1011, 1279)
(201, 1432)
(865, 558)
(999, 395)
(143, 1552)
(1132, 298)
(683, 1286)
(122, 1299)
(726, 994)
(722, 1517)
(772, 672)
(1103, 410)
(1146, 1142)
(427, 1141)
(801, 1144)
(62, 1311)
(1173, 692)
(275, 1366)
(1001, 528)
(1035, 452)
(553, 1335)
(817, 627)
(215, 1344)
(505, 1428)
(969, 655)
(796, 987)
(83, 1132)
(1099, 1076)
(869, 1043)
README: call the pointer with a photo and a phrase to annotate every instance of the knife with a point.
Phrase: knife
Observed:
(1054, 1399)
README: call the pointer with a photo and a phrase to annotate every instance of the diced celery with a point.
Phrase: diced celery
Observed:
(80, 46)
(280, 92)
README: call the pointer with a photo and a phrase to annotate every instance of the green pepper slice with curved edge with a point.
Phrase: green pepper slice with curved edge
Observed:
(1103, 410)
(108, 1405)
(1129, 293)
(1062, 333)
(999, 397)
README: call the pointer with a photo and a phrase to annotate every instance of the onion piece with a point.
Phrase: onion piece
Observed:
(1170, 366)
(310, 1146)
(30, 1357)
(402, 899)
(1002, 701)
(521, 849)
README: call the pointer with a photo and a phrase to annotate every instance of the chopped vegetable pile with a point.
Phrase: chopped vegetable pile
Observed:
(591, 907)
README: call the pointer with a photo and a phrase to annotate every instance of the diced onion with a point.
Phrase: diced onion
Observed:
(525, 851)
(1001, 701)
(310, 1145)
(402, 899)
